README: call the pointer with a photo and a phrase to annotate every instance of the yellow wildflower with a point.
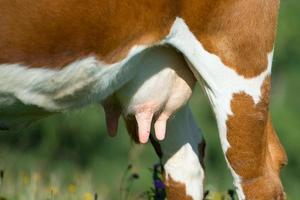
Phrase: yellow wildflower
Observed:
(25, 179)
(72, 188)
(88, 196)
(215, 196)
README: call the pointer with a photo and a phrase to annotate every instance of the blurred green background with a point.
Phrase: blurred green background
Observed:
(70, 155)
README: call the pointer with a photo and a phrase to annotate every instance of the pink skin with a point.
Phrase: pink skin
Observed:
(162, 86)
(144, 120)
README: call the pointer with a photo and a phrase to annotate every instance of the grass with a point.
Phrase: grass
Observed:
(38, 185)
(60, 159)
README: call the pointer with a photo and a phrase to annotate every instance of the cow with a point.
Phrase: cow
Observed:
(60, 55)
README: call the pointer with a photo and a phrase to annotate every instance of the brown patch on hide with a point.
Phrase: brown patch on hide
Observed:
(240, 32)
(54, 33)
(267, 187)
(248, 133)
(275, 148)
(176, 190)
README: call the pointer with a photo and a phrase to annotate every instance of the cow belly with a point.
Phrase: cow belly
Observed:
(90, 80)
(162, 85)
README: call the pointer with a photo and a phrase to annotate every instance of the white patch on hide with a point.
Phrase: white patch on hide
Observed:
(82, 82)
(180, 153)
(220, 81)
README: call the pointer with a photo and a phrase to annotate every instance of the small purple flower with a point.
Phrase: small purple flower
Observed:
(159, 184)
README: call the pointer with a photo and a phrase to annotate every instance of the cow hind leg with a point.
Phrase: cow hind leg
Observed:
(182, 154)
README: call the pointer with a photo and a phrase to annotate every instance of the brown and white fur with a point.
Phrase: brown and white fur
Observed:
(65, 54)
